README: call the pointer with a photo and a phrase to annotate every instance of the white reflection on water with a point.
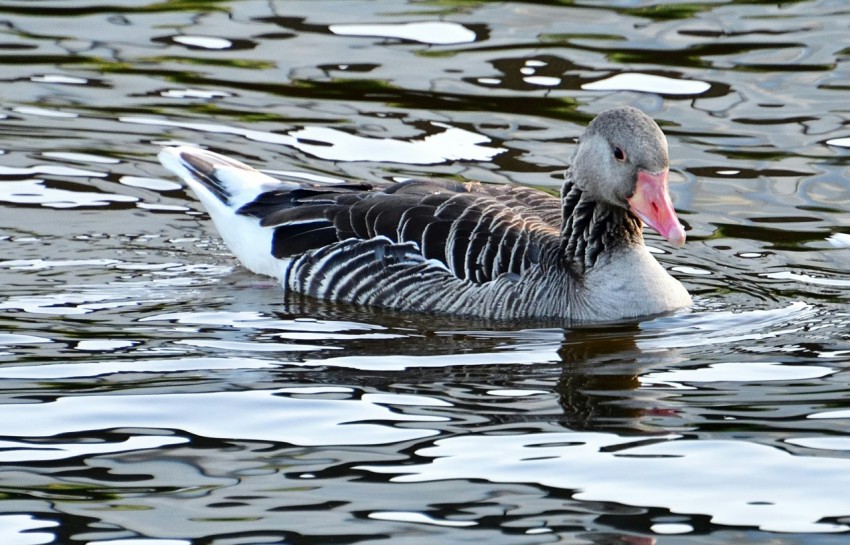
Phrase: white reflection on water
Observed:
(193, 93)
(648, 83)
(58, 371)
(823, 443)
(81, 158)
(18, 530)
(736, 483)
(420, 518)
(16, 339)
(840, 240)
(723, 327)
(672, 529)
(428, 32)
(450, 144)
(268, 415)
(42, 264)
(103, 345)
(90, 299)
(59, 78)
(35, 192)
(254, 346)
(43, 112)
(510, 355)
(203, 42)
(324, 329)
(144, 541)
(839, 142)
(831, 414)
(57, 170)
(543, 81)
(19, 451)
(808, 279)
(154, 184)
(755, 371)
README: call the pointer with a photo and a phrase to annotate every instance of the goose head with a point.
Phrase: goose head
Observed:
(621, 160)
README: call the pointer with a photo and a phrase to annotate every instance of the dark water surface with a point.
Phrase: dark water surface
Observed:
(153, 392)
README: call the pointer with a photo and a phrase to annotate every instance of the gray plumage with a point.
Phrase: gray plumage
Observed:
(491, 251)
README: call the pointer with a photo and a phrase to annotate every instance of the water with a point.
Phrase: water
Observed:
(154, 392)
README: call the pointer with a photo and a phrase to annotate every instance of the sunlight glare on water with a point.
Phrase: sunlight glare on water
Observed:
(648, 83)
(437, 33)
(705, 477)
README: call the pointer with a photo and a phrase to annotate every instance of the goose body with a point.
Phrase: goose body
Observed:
(497, 252)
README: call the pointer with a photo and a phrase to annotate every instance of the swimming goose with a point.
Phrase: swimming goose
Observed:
(498, 252)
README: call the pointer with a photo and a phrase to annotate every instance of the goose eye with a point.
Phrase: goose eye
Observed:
(619, 154)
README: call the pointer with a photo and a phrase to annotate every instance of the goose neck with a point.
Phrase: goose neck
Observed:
(591, 229)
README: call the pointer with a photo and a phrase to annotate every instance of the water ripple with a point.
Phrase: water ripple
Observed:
(733, 482)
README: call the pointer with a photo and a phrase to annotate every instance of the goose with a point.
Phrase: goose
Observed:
(492, 251)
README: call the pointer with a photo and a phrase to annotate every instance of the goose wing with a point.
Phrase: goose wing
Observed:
(530, 203)
(477, 232)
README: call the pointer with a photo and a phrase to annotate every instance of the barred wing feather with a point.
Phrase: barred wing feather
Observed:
(469, 230)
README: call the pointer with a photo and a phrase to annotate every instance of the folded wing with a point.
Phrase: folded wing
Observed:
(476, 232)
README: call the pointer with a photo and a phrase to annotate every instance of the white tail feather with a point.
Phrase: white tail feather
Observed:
(250, 242)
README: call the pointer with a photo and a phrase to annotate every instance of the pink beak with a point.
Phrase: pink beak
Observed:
(651, 203)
